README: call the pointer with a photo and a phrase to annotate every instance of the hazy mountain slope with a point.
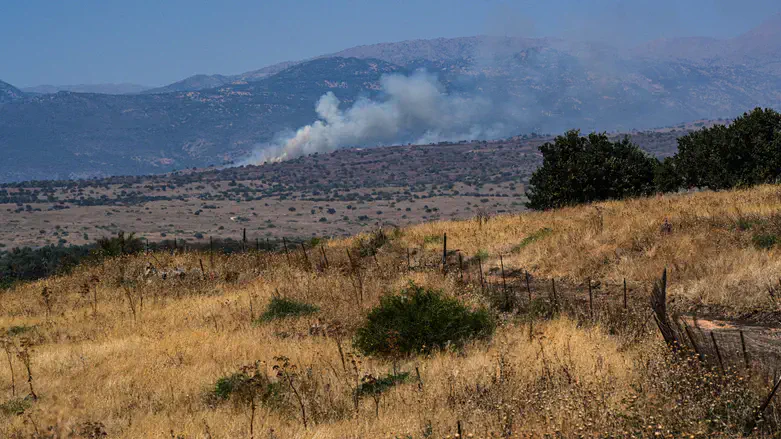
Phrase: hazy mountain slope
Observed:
(9, 93)
(541, 85)
(69, 135)
(110, 89)
(196, 82)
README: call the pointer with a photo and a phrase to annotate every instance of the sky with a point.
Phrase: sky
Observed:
(162, 41)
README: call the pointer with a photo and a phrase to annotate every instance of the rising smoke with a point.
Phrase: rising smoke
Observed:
(412, 108)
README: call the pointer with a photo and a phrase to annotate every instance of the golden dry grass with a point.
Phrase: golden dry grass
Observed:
(711, 262)
(147, 377)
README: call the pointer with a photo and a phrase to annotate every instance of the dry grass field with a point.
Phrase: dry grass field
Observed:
(119, 350)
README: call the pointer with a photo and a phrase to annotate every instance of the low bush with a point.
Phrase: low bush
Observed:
(420, 320)
(280, 308)
(244, 386)
(375, 385)
(15, 406)
(764, 241)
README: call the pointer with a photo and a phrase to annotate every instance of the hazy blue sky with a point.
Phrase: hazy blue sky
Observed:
(161, 41)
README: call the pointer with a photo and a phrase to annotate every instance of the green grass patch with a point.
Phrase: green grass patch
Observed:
(281, 308)
(19, 330)
(764, 241)
(536, 236)
(432, 239)
(15, 406)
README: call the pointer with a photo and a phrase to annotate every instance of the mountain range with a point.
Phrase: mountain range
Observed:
(532, 85)
(109, 89)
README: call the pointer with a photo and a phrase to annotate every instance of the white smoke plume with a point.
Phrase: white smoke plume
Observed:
(411, 108)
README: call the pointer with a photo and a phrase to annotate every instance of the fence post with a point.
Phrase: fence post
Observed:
(306, 256)
(745, 352)
(624, 294)
(590, 300)
(287, 254)
(718, 352)
(409, 265)
(504, 284)
(461, 265)
(444, 254)
(528, 287)
(325, 257)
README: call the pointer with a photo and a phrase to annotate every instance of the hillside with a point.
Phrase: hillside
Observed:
(336, 194)
(9, 93)
(266, 344)
(527, 85)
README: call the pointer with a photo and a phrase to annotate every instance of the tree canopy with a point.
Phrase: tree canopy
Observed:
(581, 169)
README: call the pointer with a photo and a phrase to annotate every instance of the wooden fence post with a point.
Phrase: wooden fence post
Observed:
(306, 256)
(745, 351)
(624, 294)
(504, 284)
(325, 257)
(718, 351)
(528, 287)
(444, 254)
(287, 254)
(590, 300)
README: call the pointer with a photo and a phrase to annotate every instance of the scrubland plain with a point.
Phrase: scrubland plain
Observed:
(137, 346)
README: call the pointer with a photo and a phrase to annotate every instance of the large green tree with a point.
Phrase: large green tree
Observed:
(745, 153)
(581, 169)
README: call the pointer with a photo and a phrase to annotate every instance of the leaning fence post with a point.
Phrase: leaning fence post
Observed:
(718, 352)
(693, 342)
(306, 256)
(763, 407)
(590, 300)
(743, 348)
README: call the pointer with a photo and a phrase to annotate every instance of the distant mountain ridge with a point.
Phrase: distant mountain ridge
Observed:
(110, 89)
(534, 85)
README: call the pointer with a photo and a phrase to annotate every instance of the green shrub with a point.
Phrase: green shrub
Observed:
(243, 386)
(381, 384)
(280, 308)
(582, 169)
(420, 320)
(764, 241)
(745, 153)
